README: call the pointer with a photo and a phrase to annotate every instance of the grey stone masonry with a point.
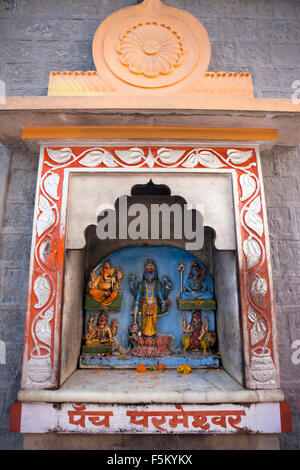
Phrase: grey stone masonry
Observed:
(18, 171)
(259, 36)
(4, 169)
(37, 36)
(281, 170)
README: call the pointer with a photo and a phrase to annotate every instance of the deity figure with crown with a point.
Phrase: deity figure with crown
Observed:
(151, 302)
(197, 291)
(104, 287)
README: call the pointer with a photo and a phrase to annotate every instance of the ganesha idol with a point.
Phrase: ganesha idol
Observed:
(197, 291)
(104, 287)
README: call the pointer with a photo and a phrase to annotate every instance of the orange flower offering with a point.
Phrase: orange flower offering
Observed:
(141, 369)
(185, 369)
(160, 367)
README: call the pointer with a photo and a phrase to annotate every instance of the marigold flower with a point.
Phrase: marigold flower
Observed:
(161, 367)
(141, 368)
(184, 369)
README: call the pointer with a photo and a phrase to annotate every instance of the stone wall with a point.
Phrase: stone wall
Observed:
(281, 170)
(37, 36)
(18, 167)
(259, 36)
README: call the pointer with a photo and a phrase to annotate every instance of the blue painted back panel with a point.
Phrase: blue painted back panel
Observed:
(132, 260)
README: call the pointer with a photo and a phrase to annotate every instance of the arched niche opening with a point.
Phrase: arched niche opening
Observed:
(130, 255)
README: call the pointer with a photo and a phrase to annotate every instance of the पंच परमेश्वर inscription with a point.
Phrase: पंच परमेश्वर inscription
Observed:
(205, 420)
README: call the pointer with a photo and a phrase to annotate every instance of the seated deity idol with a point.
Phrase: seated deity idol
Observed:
(105, 287)
(199, 284)
(101, 335)
(194, 331)
(196, 335)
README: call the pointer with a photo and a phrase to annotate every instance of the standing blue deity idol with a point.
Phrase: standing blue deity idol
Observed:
(150, 298)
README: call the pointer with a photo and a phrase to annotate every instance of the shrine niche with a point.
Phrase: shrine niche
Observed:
(149, 291)
(150, 327)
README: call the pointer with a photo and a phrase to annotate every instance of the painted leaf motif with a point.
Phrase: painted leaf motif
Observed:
(96, 157)
(254, 222)
(46, 217)
(51, 185)
(109, 160)
(259, 286)
(132, 156)
(47, 252)
(43, 331)
(209, 160)
(252, 251)
(169, 155)
(237, 157)
(191, 161)
(248, 185)
(252, 315)
(44, 250)
(258, 332)
(42, 291)
(44, 204)
(255, 205)
(61, 155)
(252, 219)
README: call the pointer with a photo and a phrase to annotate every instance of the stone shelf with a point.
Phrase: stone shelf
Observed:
(127, 386)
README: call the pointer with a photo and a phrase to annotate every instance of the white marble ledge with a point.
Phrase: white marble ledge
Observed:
(127, 386)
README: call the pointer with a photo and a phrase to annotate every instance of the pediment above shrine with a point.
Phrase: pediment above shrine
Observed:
(150, 48)
(152, 73)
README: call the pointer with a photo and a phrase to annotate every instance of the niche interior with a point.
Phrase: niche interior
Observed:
(190, 288)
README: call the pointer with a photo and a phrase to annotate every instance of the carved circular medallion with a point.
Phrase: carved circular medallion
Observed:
(150, 46)
(151, 49)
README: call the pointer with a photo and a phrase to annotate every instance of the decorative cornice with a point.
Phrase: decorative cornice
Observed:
(210, 84)
(76, 83)
(195, 133)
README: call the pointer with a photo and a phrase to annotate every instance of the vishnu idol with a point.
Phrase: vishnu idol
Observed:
(149, 299)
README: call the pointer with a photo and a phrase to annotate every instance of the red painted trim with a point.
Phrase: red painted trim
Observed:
(285, 417)
(15, 417)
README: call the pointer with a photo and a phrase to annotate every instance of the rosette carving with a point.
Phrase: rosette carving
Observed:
(151, 49)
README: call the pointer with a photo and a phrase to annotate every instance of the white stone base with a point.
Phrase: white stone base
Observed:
(124, 401)
(127, 386)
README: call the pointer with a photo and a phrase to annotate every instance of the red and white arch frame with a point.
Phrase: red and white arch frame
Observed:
(44, 307)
